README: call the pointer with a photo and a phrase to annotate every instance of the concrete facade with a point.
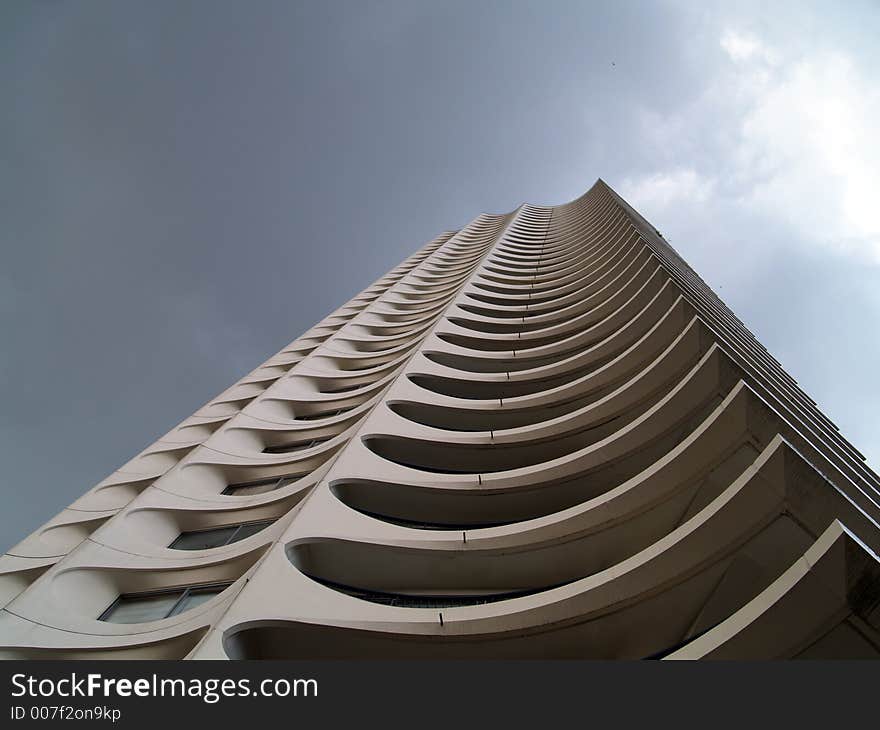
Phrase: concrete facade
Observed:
(541, 436)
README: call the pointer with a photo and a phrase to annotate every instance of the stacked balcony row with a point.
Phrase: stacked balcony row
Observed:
(584, 459)
(175, 548)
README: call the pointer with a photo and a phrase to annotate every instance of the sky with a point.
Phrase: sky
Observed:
(185, 187)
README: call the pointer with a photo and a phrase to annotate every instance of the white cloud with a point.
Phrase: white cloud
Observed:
(798, 144)
(746, 47)
(655, 192)
(808, 151)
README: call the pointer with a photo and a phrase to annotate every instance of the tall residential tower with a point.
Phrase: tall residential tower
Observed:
(541, 436)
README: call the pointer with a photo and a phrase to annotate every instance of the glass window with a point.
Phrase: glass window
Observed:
(261, 486)
(204, 539)
(134, 608)
(290, 447)
(246, 490)
(217, 536)
(325, 414)
(251, 528)
(196, 597)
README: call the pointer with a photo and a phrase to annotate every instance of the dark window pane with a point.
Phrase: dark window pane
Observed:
(198, 596)
(294, 446)
(261, 486)
(203, 539)
(245, 490)
(251, 528)
(136, 609)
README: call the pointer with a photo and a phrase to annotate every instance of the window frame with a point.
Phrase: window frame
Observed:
(292, 447)
(229, 489)
(185, 592)
(229, 541)
(324, 414)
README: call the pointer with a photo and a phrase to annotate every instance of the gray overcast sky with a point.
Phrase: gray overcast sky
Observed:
(187, 186)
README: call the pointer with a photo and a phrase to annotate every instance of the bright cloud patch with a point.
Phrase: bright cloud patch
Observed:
(746, 47)
(809, 151)
(800, 146)
(655, 192)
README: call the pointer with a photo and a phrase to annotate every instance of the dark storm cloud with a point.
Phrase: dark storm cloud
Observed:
(187, 186)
